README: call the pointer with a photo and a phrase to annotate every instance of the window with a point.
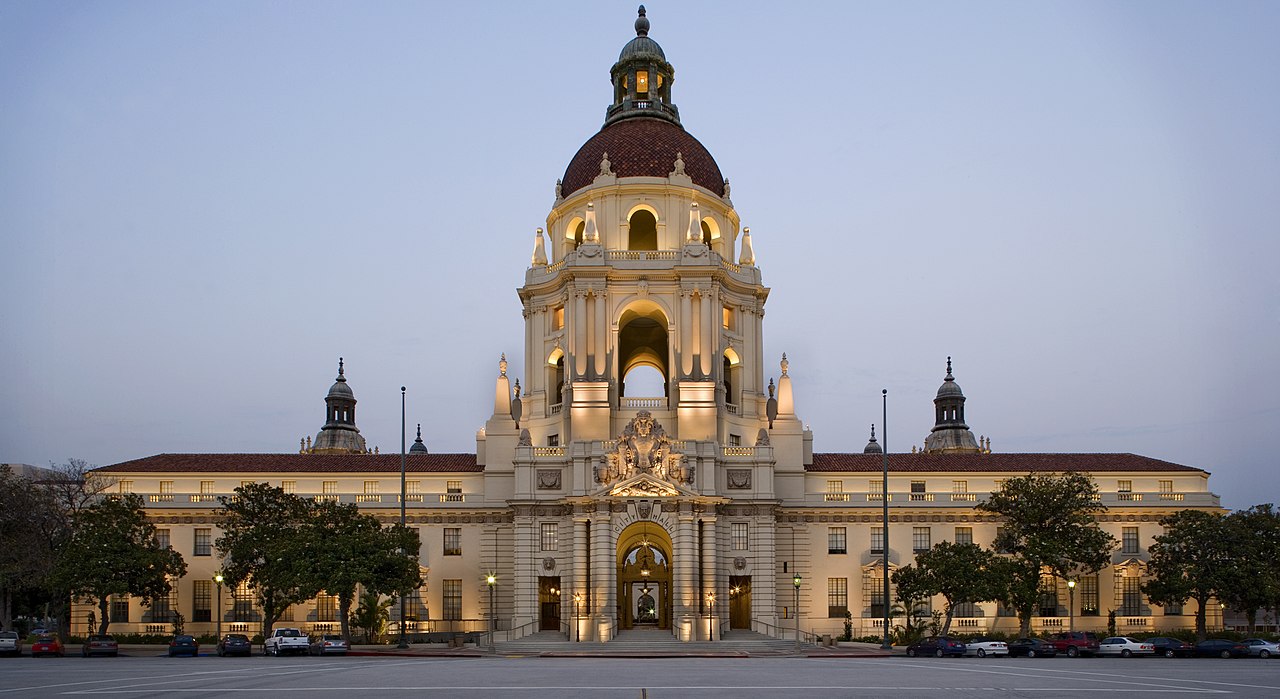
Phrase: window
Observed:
(997, 544)
(921, 539)
(964, 535)
(160, 610)
(452, 541)
(550, 533)
(413, 491)
(452, 591)
(643, 233)
(837, 597)
(120, 608)
(1124, 486)
(877, 540)
(246, 484)
(166, 491)
(329, 489)
(1166, 486)
(162, 538)
(369, 492)
(202, 600)
(837, 541)
(1129, 540)
(727, 320)
(917, 487)
(553, 440)
(206, 488)
(126, 487)
(735, 440)
(873, 592)
(453, 486)
(1173, 609)
(740, 536)
(203, 542)
(967, 609)
(289, 487)
(242, 603)
(326, 607)
(959, 486)
(1131, 596)
(642, 82)
(1089, 595)
(557, 316)
(1048, 596)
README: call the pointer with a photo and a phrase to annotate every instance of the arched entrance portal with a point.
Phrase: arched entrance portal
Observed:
(644, 577)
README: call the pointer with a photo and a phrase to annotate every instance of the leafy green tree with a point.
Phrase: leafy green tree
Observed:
(113, 551)
(1193, 558)
(911, 589)
(267, 540)
(1049, 524)
(355, 550)
(371, 616)
(960, 573)
(1252, 581)
(26, 548)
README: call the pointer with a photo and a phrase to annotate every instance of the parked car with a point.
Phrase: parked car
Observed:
(286, 642)
(184, 645)
(1171, 647)
(99, 645)
(234, 644)
(1032, 648)
(1262, 647)
(46, 644)
(1125, 647)
(329, 644)
(1075, 643)
(1221, 648)
(10, 643)
(982, 647)
(938, 646)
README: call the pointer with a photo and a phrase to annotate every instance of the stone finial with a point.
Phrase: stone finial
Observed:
(502, 364)
(308, 443)
(748, 256)
(590, 234)
(695, 225)
(770, 386)
(785, 364)
(606, 168)
(679, 164)
(302, 445)
(642, 23)
(526, 440)
(762, 438)
(539, 250)
(339, 367)
(515, 392)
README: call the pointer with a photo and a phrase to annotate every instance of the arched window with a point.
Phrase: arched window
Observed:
(644, 231)
(577, 234)
(706, 234)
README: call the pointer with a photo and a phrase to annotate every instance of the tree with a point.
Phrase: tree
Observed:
(1049, 525)
(75, 485)
(959, 572)
(371, 616)
(912, 588)
(1191, 559)
(31, 528)
(1252, 581)
(266, 541)
(113, 551)
(354, 549)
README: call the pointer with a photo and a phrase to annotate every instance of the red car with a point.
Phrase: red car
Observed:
(46, 644)
(1075, 643)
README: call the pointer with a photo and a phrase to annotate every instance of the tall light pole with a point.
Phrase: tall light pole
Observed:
(404, 644)
(577, 624)
(796, 581)
(217, 578)
(491, 580)
(711, 615)
(884, 503)
(1071, 605)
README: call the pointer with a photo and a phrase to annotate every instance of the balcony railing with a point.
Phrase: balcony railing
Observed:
(964, 497)
(548, 452)
(739, 451)
(162, 497)
(835, 497)
(1129, 497)
(1176, 497)
(451, 497)
(877, 497)
(659, 402)
(368, 497)
(922, 497)
(554, 408)
(613, 255)
(412, 497)
(204, 497)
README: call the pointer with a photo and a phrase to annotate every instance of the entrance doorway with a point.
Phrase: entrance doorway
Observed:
(644, 577)
(549, 603)
(740, 601)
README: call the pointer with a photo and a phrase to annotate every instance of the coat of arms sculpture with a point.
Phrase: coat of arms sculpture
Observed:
(643, 449)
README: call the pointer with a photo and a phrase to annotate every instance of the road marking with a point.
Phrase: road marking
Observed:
(689, 688)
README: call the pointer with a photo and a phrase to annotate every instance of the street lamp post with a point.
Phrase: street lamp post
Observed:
(491, 580)
(403, 643)
(711, 615)
(884, 504)
(577, 623)
(796, 581)
(217, 578)
(1071, 605)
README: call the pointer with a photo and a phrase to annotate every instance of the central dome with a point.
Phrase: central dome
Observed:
(642, 147)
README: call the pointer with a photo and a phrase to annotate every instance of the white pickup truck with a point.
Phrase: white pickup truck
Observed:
(286, 641)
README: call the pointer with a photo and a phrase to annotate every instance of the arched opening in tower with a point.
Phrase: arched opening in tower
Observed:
(644, 231)
(643, 352)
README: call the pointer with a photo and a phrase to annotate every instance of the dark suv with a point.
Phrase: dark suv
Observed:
(1075, 643)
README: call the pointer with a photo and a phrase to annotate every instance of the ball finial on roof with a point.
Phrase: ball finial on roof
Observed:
(642, 23)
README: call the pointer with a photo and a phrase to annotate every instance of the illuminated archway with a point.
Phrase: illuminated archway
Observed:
(644, 576)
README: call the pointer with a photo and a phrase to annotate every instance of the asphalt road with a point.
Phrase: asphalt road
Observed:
(623, 678)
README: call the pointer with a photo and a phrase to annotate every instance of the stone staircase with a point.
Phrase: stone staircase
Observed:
(646, 643)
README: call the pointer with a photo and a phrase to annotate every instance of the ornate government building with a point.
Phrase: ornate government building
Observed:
(692, 508)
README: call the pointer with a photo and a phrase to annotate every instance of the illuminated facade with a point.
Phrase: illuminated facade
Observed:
(601, 502)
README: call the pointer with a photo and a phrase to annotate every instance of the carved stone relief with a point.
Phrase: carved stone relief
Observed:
(548, 479)
(739, 478)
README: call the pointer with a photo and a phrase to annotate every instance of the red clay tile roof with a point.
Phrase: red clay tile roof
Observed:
(1009, 463)
(642, 147)
(299, 463)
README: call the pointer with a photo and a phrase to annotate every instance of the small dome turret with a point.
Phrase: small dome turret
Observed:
(339, 434)
(950, 433)
(642, 79)
(419, 447)
(873, 447)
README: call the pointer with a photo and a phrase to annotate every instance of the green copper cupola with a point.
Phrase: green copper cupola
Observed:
(642, 79)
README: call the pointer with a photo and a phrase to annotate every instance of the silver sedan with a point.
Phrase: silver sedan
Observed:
(1261, 648)
(1124, 647)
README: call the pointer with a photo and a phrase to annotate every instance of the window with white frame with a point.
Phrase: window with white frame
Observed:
(921, 539)
(837, 540)
(452, 541)
(964, 535)
(550, 532)
(877, 540)
(740, 533)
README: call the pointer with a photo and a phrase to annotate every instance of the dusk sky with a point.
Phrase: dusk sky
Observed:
(204, 204)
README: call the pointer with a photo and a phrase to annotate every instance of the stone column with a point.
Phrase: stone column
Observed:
(603, 575)
(525, 584)
(601, 334)
(579, 322)
(685, 336)
(685, 581)
(707, 345)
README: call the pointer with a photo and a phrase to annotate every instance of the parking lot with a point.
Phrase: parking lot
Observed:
(562, 678)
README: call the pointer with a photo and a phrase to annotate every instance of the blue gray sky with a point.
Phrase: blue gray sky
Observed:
(204, 205)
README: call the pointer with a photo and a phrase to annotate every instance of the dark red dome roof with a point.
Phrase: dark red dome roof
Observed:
(642, 147)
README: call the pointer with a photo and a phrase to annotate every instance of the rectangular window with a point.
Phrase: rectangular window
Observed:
(453, 491)
(741, 532)
(553, 440)
(1166, 486)
(727, 320)
(246, 484)
(1048, 596)
(242, 603)
(967, 609)
(837, 541)
(959, 486)
(1124, 486)
(119, 609)
(413, 487)
(996, 544)
(1131, 596)
(452, 591)
(1129, 540)
(835, 486)
(918, 492)
(206, 488)
(369, 493)
(557, 318)
(921, 539)
(166, 491)
(735, 440)
(837, 597)
(1173, 609)
(329, 487)
(550, 533)
(452, 541)
(202, 600)
(964, 535)
(642, 82)
(1089, 595)
(873, 593)
(204, 541)
(877, 540)
(326, 607)
(162, 538)
(126, 487)
(289, 487)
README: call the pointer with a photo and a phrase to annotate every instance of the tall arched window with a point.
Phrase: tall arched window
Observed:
(644, 231)
(577, 234)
